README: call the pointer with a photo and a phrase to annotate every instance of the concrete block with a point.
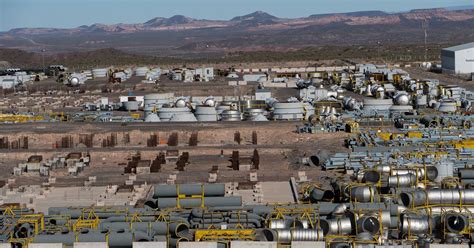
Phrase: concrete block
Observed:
(91, 244)
(6, 245)
(308, 244)
(252, 244)
(161, 244)
(46, 245)
(198, 245)
(449, 245)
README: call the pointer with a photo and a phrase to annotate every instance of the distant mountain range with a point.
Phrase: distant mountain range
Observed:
(185, 36)
(263, 20)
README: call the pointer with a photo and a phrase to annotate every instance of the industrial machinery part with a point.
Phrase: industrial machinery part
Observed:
(231, 115)
(166, 114)
(288, 111)
(206, 113)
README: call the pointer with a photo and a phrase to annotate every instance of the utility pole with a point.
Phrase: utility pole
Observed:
(425, 25)
(379, 44)
(42, 57)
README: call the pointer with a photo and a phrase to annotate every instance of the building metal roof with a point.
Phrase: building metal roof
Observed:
(460, 47)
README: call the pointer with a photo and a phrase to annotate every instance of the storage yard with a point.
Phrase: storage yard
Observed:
(354, 155)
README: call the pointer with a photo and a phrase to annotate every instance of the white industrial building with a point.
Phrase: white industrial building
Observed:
(458, 59)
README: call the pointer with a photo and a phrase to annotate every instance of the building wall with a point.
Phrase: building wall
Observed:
(465, 61)
(447, 60)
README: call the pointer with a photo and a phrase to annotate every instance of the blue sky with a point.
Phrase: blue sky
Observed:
(73, 13)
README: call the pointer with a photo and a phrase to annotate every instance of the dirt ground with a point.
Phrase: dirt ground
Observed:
(279, 146)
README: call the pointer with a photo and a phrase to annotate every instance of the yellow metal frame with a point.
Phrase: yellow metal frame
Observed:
(88, 219)
(224, 235)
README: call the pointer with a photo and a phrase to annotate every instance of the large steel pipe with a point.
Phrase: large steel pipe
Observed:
(317, 194)
(286, 236)
(319, 158)
(466, 173)
(456, 222)
(411, 224)
(362, 193)
(339, 226)
(198, 202)
(189, 189)
(431, 172)
(401, 181)
(437, 197)
(67, 239)
(285, 224)
(369, 224)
